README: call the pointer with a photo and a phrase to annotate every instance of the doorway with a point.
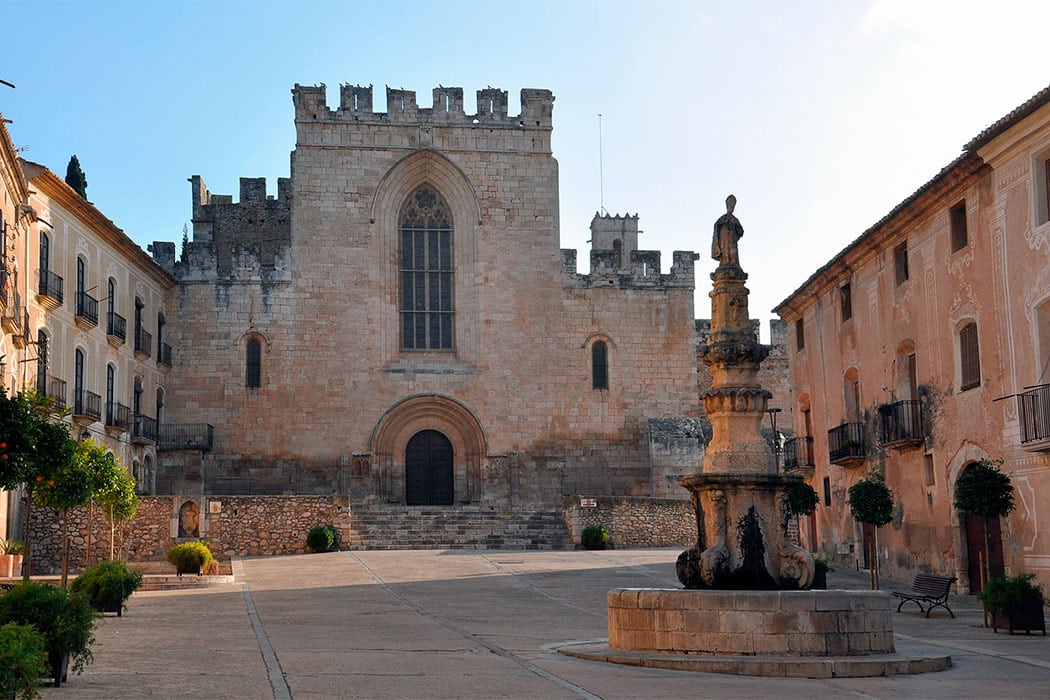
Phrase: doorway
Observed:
(428, 470)
(975, 539)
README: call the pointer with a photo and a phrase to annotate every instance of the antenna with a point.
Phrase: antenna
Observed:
(601, 169)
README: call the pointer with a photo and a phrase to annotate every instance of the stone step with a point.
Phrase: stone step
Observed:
(432, 528)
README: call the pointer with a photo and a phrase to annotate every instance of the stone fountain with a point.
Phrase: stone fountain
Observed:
(746, 608)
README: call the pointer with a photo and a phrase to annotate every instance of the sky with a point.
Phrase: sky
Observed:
(819, 115)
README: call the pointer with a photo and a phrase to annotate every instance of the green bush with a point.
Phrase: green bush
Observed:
(594, 536)
(1004, 592)
(801, 498)
(23, 660)
(189, 557)
(323, 538)
(66, 620)
(107, 585)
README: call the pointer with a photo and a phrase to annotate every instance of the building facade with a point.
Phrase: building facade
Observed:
(924, 347)
(399, 324)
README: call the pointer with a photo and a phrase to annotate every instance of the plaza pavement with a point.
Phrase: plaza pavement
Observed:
(477, 624)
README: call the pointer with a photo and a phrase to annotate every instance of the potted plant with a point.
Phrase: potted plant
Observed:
(107, 585)
(1014, 602)
(65, 620)
(24, 660)
(323, 538)
(10, 558)
(189, 557)
(594, 537)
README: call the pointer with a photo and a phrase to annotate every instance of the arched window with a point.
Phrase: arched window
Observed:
(41, 362)
(253, 363)
(111, 407)
(160, 405)
(969, 357)
(78, 382)
(426, 272)
(600, 365)
(618, 249)
(907, 373)
(45, 254)
(851, 394)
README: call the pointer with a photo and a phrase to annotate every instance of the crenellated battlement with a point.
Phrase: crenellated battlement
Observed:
(356, 105)
(642, 272)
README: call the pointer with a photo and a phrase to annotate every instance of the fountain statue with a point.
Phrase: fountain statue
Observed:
(738, 494)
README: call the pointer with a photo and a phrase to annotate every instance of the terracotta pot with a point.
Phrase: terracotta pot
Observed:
(7, 563)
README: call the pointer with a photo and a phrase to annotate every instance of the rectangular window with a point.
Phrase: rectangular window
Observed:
(969, 357)
(800, 335)
(900, 263)
(960, 236)
(929, 472)
(846, 297)
(827, 490)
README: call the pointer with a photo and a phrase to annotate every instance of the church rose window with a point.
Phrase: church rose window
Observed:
(426, 273)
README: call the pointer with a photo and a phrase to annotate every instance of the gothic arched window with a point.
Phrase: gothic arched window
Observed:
(253, 363)
(600, 366)
(425, 272)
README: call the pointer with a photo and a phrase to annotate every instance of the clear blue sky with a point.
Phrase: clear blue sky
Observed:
(819, 115)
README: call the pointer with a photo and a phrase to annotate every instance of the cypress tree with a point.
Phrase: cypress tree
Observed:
(75, 177)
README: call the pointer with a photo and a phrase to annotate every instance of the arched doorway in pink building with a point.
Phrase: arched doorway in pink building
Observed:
(981, 566)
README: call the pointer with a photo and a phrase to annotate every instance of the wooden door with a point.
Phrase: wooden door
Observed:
(428, 470)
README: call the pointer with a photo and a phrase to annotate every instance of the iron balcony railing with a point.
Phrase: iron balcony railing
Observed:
(186, 436)
(145, 429)
(87, 307)
(1034, 408)
(118, 415)
(798, 453)
(116, 326)
(846, 443)
(3, 285)
(164, 355)
(56, 391)
(51, 285)
(144, 343)
(12, 319)
(87, 403)
(901, 422)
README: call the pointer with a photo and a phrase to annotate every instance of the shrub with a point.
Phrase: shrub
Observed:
(13, 547)
(594, 536)
(1004, 592)
(66, 620)
(210, 568)
(801, 498)
(107, 585)
(820, 564)
(189, 557)
(323, 538)
(23, 660)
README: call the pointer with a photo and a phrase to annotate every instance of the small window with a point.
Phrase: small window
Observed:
(900, 263)
(600, 366)
(827, 491)
(800, 335)
(846, 297)
(931, 478)
(253, 364)
(969, 357)
(960, 236)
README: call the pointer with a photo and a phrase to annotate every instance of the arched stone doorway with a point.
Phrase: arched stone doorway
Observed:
(428, 470)
(405, 433)
(974, 534)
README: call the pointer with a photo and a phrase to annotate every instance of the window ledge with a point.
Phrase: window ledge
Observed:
(409, 367)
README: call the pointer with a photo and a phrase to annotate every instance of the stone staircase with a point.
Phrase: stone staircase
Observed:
(411, 527)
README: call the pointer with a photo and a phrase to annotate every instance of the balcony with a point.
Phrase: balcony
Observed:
(846, 444)
(900, 423)
(164, 355)
(56, 391)
(50, 290)
(87, 407)
(798, 453)
(118, 418)
(116, 329)
(87, 311)
(144, 431)
(143, 344)
(186, 436)
(13, 317)
(1033, 408)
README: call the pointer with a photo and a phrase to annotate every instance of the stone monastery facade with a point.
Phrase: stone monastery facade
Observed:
(398, 323)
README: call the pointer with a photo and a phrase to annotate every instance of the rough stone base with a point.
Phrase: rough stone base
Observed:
(749, 623)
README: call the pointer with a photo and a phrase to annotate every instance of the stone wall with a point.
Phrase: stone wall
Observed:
(635, 522)
(236, 526)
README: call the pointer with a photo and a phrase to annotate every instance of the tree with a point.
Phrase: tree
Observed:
(75, 177)
(871, 502)
(106, 471)
(985, 492)
(68, 486)
(119, 502)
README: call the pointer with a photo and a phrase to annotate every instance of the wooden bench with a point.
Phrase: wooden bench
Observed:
(927, 591)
